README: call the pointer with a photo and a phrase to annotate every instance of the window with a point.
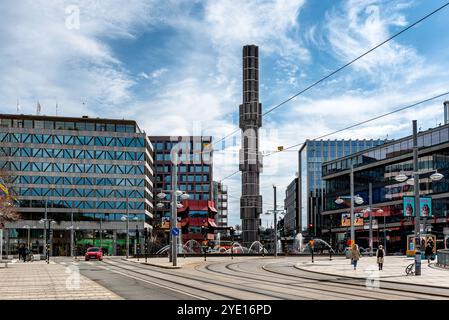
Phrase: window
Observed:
(38, 124)
(28, 124)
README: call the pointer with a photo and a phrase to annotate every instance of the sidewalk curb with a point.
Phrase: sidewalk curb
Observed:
(363, 278)
(154, 265)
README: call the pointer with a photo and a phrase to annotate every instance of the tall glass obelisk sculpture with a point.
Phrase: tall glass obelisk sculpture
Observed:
(250, 158)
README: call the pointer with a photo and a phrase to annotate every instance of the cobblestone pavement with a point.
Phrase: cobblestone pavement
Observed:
(393, 270)
(41, 281)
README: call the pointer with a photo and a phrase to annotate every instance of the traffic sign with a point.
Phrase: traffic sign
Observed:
(175, 231)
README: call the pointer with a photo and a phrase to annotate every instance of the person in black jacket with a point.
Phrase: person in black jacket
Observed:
(429, 251)
(380, 254)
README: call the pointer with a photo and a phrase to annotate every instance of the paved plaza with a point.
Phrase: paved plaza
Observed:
(41, 281)
(393, 270)
(220, 277)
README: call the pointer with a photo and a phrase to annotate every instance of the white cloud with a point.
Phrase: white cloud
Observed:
(362, 24)
(43, 59)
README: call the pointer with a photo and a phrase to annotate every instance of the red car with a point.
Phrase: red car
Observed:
(94, 253)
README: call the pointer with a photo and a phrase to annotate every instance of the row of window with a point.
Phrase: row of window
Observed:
(85, 193)
(185, 158)
(72, 167)
(72, 154)
(77, 181)
(75, 204)
(192, 196)
(72, 140)
(183, 168)
(183, 145)
(184, 178)
(66, 125)
(432, 138)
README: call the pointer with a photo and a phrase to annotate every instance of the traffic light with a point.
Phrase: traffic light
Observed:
(145, 232)
(203, 230)
(231, 231)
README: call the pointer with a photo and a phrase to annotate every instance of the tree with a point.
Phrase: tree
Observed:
(8, 202)
(237, 228)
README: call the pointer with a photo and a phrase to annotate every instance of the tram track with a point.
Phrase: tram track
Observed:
(184, 276)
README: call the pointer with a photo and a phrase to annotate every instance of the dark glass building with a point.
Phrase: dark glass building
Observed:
(379, 166)
(87, 170)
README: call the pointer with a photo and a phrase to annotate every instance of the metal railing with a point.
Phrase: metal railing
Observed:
(443, 258)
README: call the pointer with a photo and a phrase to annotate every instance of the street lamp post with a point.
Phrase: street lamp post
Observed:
(174, 213)
(415, 182)
(353, 198)
(370, 191)
(47, 231)
(127, 227)
(275, 224)
(416, 194)
(275, 212)
(352, 204)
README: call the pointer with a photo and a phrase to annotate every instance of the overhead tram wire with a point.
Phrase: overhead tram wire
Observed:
(343, 67)
(364, 122)
(352, 126)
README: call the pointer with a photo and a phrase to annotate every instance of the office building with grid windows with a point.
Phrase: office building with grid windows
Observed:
(195, 174)
(85, 174)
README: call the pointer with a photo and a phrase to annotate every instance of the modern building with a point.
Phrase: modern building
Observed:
(87, 175)
(379, 166)
(291, 205)
(195, 173)
(221, 204)
(311, 187)
(197, 220)
(250, 159)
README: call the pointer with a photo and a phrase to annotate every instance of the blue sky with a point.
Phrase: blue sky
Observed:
(175, 67)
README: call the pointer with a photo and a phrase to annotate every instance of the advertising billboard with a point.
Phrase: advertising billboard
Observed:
(346, 219)
(425, 206)
(165, 223)
(409, 206)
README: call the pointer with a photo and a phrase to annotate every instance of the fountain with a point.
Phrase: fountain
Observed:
(218, 239)
(191, 246)
(260, 247)
(322, 242)
(298, 245)
(163, 250)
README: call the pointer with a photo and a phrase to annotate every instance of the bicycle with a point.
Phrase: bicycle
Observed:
(410, 269)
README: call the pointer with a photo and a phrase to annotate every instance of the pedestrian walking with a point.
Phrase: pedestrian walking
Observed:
(429, 251)
(355, 255)
(380, 254)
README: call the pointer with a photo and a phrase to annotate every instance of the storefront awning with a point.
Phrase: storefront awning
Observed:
(211, 222)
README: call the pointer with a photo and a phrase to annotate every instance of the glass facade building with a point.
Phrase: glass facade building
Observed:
(87, 170)
(379, 166)
(312, 155)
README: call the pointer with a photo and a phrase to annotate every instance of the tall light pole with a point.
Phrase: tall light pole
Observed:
(352, 204)
(127, 226)
(275, 224)
(174, 208)
(416, 194)
(370, 191)
(71, 235)
(401, 178)
(175, 193)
